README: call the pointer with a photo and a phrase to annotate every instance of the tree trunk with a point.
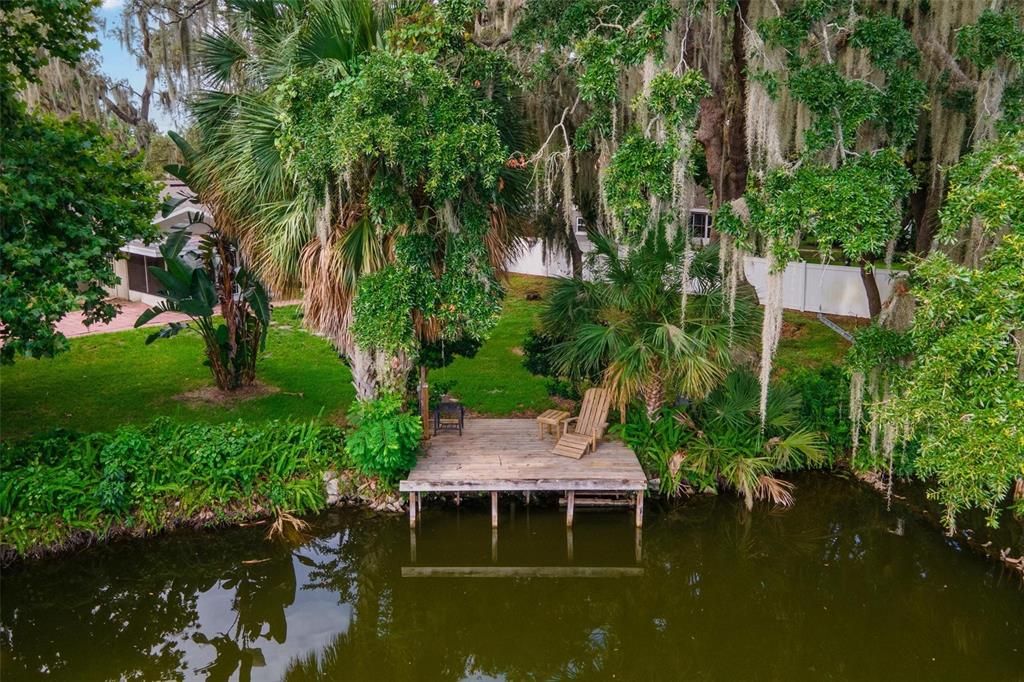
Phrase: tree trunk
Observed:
(653, 393)
(575, 253)
(361, 363)
(710, 133)
(424, 395)
(722, 129)
(867, 276)
(736, 148)
(929, 217)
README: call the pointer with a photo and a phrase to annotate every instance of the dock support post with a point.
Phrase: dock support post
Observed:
(638, 548)
(639, 508)
(494, 509)
(570, 507)
(413, 504)
(494, 545)
(412, 544)
(569, 545)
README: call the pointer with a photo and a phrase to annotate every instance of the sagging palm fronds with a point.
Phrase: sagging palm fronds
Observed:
(292, 231)
(306, 220)
(627, 324)
(731, 446)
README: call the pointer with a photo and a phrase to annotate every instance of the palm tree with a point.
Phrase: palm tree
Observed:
(627, 323)
(297, 237)
(731, 445)
(310, 228)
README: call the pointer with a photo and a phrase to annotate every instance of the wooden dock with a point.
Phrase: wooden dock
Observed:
(508, 455)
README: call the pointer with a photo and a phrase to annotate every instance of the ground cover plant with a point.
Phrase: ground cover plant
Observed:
(65, 489)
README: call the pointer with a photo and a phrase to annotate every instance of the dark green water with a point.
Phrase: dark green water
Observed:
(834, 588)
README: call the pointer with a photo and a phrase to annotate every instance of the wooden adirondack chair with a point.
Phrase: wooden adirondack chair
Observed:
(582, 433)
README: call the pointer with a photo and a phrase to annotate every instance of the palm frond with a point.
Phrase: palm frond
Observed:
(787, 451)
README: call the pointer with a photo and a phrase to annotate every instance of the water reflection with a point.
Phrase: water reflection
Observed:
(824, 590)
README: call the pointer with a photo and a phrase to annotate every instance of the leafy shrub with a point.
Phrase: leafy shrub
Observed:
(720, 440)
(733, 446)
(824, 404)
(151, 477)
(385, 439)
(439, 389)
(537, 359)
(661, 446)
(535, 352)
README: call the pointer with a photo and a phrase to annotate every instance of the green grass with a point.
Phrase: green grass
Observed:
(110, 379)
(106, 380)
(806, 342)
(494, 382)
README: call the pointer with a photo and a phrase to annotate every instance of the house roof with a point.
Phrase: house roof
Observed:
(174, 189)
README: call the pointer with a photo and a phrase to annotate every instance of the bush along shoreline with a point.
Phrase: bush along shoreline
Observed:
(64, 491)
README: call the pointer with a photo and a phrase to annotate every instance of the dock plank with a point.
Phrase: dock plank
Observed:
(507, 455)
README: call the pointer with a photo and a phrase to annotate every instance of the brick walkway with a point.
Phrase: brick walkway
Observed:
(72, 325)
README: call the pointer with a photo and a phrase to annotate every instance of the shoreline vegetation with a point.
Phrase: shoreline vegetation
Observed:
(62, 492)
(85, 489)
(338, 484)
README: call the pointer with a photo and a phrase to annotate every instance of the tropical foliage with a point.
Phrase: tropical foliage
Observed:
(213, 283)
(731, 445)
(65, 489)
(636, 326)
(384, 439)
(719, 440)
(377, 178)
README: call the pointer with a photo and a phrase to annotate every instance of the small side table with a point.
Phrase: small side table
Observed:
(550, 421)
(449, 415)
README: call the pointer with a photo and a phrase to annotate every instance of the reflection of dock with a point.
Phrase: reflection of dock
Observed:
(521, 571)
(506, 455)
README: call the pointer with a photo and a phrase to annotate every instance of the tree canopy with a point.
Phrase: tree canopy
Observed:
(69, 199)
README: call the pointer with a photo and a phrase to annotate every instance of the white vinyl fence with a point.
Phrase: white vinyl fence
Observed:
(810, 287)
(531, 261)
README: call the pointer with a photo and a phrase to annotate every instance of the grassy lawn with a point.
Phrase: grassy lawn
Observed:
(806, 342)
(110, 379)
(495, 381)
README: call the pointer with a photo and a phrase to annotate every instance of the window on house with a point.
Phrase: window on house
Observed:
(700, 224)
(581, 225)
(139, 278)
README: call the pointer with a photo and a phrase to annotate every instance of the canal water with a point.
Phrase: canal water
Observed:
(835, 588)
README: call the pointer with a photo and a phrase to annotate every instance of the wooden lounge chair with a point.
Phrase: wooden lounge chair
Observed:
(582, 433)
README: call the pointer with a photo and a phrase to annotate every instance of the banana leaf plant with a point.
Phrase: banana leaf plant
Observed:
(227, 304)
